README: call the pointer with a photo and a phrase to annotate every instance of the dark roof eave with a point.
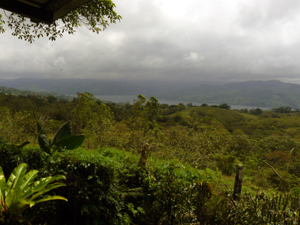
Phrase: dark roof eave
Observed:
(48, 13)
(68, 7)
(35, 14)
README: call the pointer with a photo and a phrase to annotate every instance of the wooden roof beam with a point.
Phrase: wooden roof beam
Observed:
(67, 7)
(35, 14)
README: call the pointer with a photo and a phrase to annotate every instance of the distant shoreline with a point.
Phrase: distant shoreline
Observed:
(130, 98)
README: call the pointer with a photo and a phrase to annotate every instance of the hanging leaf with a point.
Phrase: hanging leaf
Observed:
(44, 143)
(64, 131)
(39, 128)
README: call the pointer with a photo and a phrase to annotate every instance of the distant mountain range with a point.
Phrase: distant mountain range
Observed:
(96, 87)
(259, 93)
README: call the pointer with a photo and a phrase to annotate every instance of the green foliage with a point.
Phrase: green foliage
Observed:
(92, 117)
(21, 192)
(168, 110)
(84, 111)
(107, 187)
(153, 112)
(141, 126)
(63, 139)
(17, 126)
(99, 125)
(198, 141)
(224, 106)
(92, 187)
(256, 111)
(13, 92)
(178, 195)
(263, 209)
(226, 163)
(229, 119)
(96, 14)
(282, 109)
(274, 143)
(144, 115)
(2, 30)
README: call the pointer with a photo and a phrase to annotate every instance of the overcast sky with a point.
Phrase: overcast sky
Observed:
(196, 40)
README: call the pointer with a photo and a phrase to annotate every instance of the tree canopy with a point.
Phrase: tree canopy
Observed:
(96, 15)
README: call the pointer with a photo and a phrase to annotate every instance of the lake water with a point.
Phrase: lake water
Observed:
(130, 98)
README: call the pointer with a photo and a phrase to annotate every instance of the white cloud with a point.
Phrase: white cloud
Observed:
(193, 57)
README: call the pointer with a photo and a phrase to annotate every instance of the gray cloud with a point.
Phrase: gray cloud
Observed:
(164, 39)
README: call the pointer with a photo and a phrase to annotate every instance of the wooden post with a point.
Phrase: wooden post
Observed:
(238, 182)
(144, 156)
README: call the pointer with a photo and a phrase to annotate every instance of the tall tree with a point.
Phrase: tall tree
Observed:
(85, 110)
(144, 114)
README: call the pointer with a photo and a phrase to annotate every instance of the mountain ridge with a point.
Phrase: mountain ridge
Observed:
(272, 93)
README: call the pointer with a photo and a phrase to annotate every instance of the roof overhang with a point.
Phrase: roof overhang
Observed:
(46, 11)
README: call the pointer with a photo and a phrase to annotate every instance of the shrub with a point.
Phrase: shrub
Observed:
(107, 187)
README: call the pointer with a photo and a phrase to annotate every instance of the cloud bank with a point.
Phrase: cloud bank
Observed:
(171, 40)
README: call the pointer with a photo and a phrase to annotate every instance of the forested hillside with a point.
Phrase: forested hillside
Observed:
(249, 93)
(18, 92)
(151, 163)
(97, 87)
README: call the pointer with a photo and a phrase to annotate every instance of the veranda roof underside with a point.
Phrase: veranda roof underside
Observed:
(46, 11)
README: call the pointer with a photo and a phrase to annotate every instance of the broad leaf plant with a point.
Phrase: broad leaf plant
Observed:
(20, 192)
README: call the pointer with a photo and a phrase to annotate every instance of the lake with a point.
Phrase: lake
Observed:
(130, 98)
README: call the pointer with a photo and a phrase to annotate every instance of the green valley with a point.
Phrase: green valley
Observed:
(151, 163)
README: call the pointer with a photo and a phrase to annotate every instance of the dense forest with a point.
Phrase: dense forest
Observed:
(151, 163)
